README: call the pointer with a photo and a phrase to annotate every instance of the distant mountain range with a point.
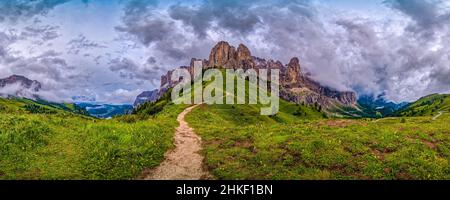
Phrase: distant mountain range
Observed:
(105, 110)
(17, 86)
(101, 110)
(371, 105)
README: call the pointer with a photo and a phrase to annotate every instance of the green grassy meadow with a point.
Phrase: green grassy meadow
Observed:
(57, 141)
(427, 106)
(56, 144)
(242, 146)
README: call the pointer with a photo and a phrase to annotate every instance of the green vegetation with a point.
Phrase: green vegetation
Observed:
(20, 106)
(241, 145)
(300, 143)
(427, 106)
(37, 109)
(152, 108)
(39, 141)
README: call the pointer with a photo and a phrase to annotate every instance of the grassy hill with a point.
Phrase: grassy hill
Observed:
(301, 143)
(44, 142)
(241, 145)
(20, 105)
(427, 106)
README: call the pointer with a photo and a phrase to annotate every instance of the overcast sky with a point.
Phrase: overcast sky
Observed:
(113, 50)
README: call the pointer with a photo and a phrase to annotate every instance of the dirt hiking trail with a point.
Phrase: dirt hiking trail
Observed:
(185, 161)
(437, 116)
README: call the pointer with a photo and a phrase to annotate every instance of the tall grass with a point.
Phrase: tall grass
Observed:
(239, 145)
(69, 146)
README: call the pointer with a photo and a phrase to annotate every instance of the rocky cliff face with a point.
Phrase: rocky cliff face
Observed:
(226, 56)
(146, 96)
(293, 76)
(295, 86)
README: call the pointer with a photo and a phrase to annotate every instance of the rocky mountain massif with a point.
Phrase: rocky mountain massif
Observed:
(19, 86)
(296, 86)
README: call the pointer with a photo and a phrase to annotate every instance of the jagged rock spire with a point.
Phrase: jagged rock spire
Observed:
(226, 56)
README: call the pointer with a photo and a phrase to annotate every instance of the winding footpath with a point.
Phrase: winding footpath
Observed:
(184, 162)
(437, 116)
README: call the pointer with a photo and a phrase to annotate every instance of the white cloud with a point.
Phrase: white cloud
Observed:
(119, 96)
(397, 48)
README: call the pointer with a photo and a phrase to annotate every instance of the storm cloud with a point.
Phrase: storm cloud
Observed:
(395, 48)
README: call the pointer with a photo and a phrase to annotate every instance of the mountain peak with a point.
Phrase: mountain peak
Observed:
(294, 62)
(15, 76)
(226, 56)
(222, 55)
(244, 49)
(19, 86)
(22, 80)
(293, 73)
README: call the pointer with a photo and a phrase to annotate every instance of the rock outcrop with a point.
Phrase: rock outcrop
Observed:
(295, 86)
(223, 55)
(146, 96)
(293, 75)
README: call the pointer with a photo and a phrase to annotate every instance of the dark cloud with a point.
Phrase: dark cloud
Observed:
(49, 68)
(138, 19)
(345, 52)
(5, 41)
(47, 65)
(428, 15)
(124, 64)
(233, 15)
(150, 31)
(151, 60)
(128, 69)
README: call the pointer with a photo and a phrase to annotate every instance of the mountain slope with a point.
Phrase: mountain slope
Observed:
(295, 85)
(372, 106)
(22, 106)
(243, 113)
(239, 149)
(426, 106)
(241, 144)
(39, 141)
(146, 96)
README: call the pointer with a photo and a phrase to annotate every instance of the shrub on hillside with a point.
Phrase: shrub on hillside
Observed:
(36, 109)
